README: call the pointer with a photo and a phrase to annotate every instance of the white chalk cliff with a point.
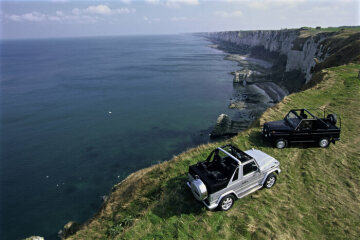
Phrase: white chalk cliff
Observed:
(299, 51)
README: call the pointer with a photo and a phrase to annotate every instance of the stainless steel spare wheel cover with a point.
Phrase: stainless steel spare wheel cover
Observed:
(270, 182)
(227, 203)
(324, 142)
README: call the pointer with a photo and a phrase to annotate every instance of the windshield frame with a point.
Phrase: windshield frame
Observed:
(290, 122)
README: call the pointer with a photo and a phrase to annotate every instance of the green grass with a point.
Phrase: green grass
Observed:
(314, 31)
(317, 195)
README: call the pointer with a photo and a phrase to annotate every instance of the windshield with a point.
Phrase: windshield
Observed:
(292, 119)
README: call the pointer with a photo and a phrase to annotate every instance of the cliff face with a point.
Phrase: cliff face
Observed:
(297, 50)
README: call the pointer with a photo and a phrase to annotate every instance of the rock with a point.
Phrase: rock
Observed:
(236, 77)
(69, 229)
(246, 75)
(232, 105)
(222, 126)
(242, 76)
(225, 126)
(34, 238)
(237, 104)
(104, 197)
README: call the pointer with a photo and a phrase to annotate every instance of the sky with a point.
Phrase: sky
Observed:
(65, 18)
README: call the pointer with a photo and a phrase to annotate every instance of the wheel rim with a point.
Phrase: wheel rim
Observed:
(226, 204)
(270, 182)
(324, 142)
(280, 144)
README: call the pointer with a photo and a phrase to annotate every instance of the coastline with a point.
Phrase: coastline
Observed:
(247, 59)
(162, 200)
(244, 139)
(163, 99)
(247, 110)
(254, 91)
(247, 116)
(243, 117)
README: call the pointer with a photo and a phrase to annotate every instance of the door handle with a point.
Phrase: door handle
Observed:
(245, 182)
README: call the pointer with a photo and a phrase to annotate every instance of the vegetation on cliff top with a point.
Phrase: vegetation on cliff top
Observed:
(317, 195)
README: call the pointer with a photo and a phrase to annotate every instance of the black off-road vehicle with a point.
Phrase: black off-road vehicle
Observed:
(300, 125)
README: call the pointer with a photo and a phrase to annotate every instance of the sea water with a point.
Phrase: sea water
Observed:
(79, 115)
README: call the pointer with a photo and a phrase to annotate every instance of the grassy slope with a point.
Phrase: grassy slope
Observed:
(314, 31)
(317, 195)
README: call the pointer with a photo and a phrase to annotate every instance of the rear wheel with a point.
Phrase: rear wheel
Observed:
(280, 143)
(270, 181)
(226, 202)
(324, 142)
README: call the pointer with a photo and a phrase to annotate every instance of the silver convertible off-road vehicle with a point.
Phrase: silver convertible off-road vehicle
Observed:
(229, 173)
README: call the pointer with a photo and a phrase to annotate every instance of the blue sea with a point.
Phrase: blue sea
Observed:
(79, 115)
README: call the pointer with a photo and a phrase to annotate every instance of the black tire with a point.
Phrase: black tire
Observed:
(324, 142)
(226, 202)
(270, 181)
(281, 143)
(332, 118)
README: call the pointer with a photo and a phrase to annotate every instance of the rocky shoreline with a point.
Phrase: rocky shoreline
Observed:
(254, 92)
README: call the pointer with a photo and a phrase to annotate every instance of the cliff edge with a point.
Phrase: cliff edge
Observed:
(295, 53)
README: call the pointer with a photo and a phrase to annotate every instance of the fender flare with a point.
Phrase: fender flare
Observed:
(224, 194)
(277, 170)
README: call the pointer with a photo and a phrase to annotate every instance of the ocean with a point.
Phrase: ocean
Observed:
(79, 115)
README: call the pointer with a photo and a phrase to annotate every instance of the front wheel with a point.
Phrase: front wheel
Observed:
(280, 143)
(226, 202)
(270, 181)
(324, 142)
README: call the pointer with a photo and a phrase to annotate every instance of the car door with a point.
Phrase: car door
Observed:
(235, 181)
(303, 131)
(251, 176)
(293, 121)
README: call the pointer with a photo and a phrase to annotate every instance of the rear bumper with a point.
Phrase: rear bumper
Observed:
(208, 206)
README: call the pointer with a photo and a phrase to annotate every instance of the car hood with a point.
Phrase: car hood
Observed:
(277, 125)
(264, 160)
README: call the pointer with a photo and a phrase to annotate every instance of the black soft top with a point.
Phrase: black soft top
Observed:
(216, 174)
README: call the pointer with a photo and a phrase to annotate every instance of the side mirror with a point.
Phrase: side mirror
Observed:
(255, 167)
